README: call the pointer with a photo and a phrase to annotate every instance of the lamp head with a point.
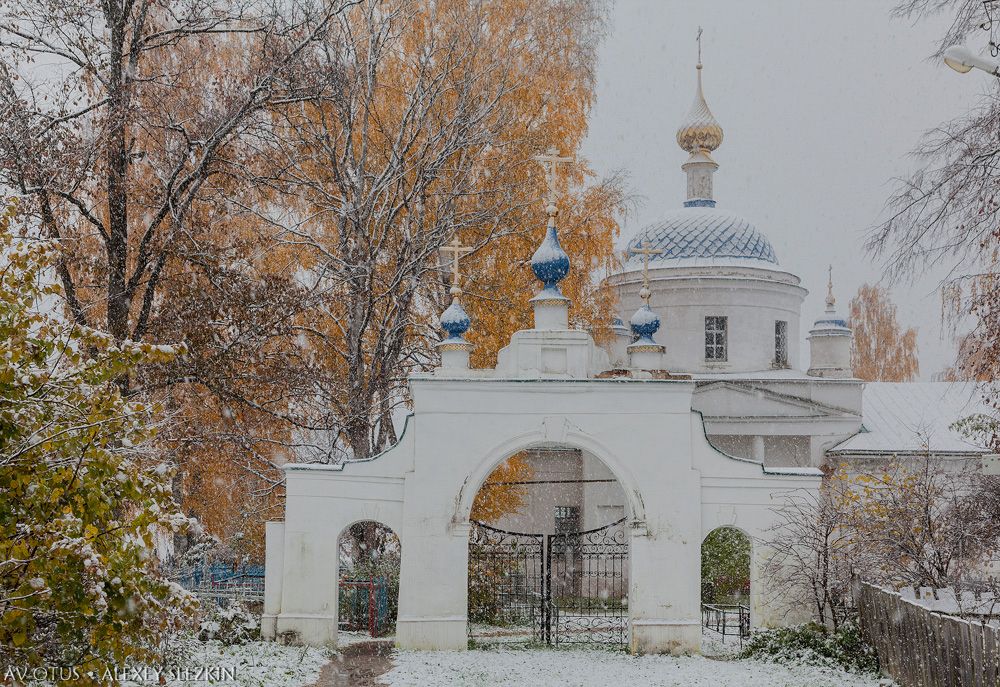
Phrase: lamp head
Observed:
(959, 58)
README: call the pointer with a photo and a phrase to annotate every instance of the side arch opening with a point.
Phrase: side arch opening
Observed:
(726, 554)
(369, 555)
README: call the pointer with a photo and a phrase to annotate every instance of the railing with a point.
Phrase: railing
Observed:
(728, 620)
(222, 581)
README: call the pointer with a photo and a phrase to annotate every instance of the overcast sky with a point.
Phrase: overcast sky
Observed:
(821, 102)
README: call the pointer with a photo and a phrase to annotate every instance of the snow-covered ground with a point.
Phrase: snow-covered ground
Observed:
(600, 668)
(256, 664)
(268, 664)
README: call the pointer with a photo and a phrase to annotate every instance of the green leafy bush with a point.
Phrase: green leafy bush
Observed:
(814, 645)
(83, 496)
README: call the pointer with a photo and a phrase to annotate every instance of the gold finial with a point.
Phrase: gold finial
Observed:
(830, 300)
(457, 250)
(700, 132)
(645, 252)
(549, 160)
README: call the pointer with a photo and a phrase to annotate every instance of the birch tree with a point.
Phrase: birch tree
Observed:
(881, 350)
(425, 130)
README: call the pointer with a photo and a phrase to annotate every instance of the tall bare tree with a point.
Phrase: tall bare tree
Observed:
(947, 212)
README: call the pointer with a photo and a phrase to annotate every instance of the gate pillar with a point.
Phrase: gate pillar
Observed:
(434, 588)
(664, 608)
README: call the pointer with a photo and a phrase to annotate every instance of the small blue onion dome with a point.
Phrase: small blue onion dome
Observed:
(644, 324)
(550, 262)
(454, 320)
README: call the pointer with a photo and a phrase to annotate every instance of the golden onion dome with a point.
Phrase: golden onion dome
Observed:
(700, 130)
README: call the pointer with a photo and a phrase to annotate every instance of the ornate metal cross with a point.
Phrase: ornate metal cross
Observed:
(698, 38)
(645, 252)
(549, 160)
(457, 250)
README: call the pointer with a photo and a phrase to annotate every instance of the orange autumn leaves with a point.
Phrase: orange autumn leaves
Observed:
(503, 492)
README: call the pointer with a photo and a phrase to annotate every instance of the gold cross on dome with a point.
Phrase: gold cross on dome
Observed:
(698, 38)
(549, 159)
(457, 250)
(645, 252)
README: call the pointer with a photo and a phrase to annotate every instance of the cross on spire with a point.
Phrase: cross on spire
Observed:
(698, 38)
(549, 159)
(645, 252)
(457, 250)
(830, 300)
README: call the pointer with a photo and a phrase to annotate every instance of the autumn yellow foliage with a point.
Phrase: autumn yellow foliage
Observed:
(503, 492)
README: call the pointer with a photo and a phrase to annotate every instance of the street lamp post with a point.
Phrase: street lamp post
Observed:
(963, 60)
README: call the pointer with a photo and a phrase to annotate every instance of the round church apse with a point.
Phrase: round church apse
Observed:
(549, 552)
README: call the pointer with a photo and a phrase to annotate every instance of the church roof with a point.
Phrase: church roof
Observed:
(914, 418)
(704, 234)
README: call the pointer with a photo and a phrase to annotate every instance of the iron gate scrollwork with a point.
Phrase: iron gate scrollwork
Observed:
(588, 586)
(506, 584)
(562, 588)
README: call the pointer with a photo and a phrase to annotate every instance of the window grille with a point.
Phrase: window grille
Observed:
(780, 343)
(715, 338)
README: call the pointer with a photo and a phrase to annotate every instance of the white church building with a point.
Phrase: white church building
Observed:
(697, 418)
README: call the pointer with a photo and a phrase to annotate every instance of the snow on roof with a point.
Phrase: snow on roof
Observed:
(915, 417)
(703, 234)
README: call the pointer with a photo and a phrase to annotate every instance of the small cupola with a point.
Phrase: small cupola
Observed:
(830, 342)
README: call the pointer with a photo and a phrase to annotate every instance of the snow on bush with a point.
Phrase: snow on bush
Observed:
(231, 625)
(814, 645)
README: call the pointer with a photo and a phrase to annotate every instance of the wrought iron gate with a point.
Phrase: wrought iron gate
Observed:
(563, 588)
(506, 583)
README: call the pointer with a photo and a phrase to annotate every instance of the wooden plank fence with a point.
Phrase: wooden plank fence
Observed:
(920, 648)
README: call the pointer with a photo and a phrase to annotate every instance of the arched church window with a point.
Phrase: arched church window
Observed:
(716, 330)
(780, 343)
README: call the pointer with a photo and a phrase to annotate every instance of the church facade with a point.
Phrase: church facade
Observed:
(696, 418)
(731, 319)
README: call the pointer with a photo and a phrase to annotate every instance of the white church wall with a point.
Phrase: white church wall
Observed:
(742, 494)
(603, 502)
(735, 445)
(790, 451)
(752, 305)
(558, 475)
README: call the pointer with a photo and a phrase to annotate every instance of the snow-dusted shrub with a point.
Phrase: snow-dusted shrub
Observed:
(83, 492)
(230, 624)
(814, 645)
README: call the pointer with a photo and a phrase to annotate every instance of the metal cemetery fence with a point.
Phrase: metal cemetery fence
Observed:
(728, 620)
(222, 581)
(918, 647)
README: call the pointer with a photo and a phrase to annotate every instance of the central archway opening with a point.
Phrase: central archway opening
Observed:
(549, 552)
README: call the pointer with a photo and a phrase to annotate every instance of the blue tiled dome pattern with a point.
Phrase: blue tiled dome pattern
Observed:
(704, 233)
